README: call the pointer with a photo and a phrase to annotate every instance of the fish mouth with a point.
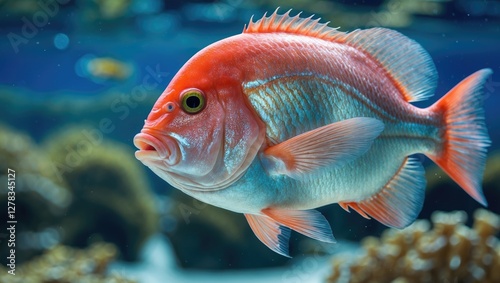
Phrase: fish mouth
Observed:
(154, 150)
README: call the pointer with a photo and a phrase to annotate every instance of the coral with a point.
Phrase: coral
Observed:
(76, 189)
(64, 264)
(449, 252)
(112, 196)
(40, 198)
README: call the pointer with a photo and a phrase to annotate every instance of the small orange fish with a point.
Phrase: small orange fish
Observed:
(292, 115)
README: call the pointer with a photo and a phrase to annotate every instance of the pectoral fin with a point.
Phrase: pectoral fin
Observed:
(334, 144)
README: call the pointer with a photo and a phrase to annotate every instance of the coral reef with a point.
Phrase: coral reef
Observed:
(112, 197)
(41, 200)
(64, 264)
(76, 189)
(449, 252)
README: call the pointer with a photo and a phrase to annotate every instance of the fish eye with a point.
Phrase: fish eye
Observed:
(192, 101)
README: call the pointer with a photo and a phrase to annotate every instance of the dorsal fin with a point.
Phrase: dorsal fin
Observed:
(288, 24)
(405, 61)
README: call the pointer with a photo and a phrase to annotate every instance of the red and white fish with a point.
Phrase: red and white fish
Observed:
(292, 115)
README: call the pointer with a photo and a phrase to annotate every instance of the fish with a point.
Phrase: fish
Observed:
(292, 115)
(101, 69)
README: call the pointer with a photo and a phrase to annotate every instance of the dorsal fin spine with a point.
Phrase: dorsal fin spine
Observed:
(301, 25)
(273, 17)
(306, 28)
(261, 22)
(283, 19)
(292, 21)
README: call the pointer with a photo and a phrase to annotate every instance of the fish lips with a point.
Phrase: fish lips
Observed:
(154, 151)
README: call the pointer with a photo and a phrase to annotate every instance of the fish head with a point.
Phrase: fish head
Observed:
(201, 133)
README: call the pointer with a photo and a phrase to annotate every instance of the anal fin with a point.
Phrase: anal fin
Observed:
(400, 201)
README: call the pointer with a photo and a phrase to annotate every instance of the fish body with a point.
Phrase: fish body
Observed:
(292, 115)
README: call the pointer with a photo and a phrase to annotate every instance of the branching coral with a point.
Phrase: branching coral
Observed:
(450, 252)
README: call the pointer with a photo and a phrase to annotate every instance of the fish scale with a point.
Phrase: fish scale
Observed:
(309, 101)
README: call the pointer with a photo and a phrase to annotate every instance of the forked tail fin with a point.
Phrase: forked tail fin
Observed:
(463, 153)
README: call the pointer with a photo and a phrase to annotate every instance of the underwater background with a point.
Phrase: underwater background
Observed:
(77, 80)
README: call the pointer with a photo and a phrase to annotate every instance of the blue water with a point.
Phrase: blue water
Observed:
(46, 71)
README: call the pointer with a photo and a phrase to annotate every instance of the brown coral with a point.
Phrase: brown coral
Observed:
(74, 190)
(450, 252)
(40, 198)
(112, 197)
(63, 264)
